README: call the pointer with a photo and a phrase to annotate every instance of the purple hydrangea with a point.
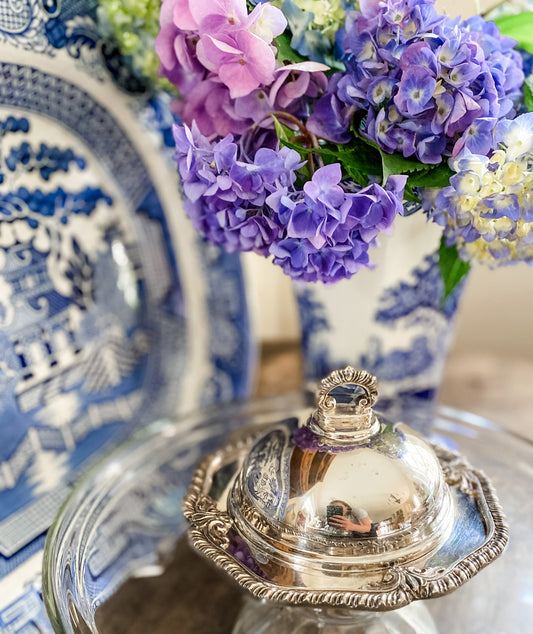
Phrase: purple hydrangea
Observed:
(225, 195)
(240, 550)
(424, 81)
(319, 232)
(329, 229)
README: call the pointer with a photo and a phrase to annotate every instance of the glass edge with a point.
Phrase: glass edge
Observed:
(48, 588)
(477, 420)
(49, 591)
(50, 599)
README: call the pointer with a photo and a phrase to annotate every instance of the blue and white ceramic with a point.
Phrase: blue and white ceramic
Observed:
(112, 311)
(391, 320)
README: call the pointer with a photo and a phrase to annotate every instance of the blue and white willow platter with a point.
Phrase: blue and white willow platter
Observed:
(112, 311)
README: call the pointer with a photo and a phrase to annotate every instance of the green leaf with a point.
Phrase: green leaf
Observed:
(397, 164)
(296, 146)
(285, 52)
(359, 161)
(435, 177)
(528, 93)
(452, 268)
(283, 132)
(419, 174)
(409, 194)
(362, 158)
(390, 163)
(519, 27)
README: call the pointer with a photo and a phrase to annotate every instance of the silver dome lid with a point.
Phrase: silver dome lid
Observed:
(344, 492)
(340, 507)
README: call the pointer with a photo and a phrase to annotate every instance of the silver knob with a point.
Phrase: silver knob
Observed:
(350, 421)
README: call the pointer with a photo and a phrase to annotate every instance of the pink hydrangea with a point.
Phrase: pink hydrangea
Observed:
(219, 39)
(215, 112)
(242, 60)
(176, 47)
(209, 104)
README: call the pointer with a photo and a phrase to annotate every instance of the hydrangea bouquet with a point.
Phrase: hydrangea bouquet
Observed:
(309, 125)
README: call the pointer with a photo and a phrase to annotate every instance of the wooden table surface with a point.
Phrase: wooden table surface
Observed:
(204, 602)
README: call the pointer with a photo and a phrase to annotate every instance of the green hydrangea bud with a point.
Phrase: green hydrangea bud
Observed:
(134, 24)
(329, 15)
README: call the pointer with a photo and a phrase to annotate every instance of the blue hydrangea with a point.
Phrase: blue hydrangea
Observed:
(421, 81)
(308, 41)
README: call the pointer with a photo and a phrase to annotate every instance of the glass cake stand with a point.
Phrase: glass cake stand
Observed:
(114, 561)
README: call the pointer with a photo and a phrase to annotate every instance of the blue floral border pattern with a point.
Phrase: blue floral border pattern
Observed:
(44, 26)
(62, 101)
(416, 303)
(72, 27)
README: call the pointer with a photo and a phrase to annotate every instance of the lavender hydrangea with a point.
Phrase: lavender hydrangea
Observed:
(240, 550)
(319, 232)
(330, 230)
(423, 81)
(225, 195)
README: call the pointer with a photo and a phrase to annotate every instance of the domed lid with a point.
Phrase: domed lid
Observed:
(347, 490)
(342, 507)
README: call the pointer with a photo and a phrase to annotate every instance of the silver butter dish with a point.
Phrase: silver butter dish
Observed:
(339, 507)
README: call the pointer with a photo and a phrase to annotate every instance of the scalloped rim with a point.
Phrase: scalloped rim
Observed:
(400, 586)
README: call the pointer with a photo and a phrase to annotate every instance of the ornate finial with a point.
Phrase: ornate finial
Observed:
(352, 420)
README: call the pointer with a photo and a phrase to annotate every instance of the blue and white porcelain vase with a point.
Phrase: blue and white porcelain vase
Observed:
(391, 320)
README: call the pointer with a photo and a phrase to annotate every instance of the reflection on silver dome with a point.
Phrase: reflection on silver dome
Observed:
(340, 492)
(385, 500)
(341, 507)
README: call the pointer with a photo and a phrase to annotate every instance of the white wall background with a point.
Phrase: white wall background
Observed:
(496, 313)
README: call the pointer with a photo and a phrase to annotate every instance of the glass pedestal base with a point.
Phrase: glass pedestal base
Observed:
(260, 617)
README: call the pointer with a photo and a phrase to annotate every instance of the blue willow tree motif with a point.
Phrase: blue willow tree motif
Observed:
(398, 364)
(47, 159)
(426, 291)
(80, 268)
(313, 321)
(419, 301)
